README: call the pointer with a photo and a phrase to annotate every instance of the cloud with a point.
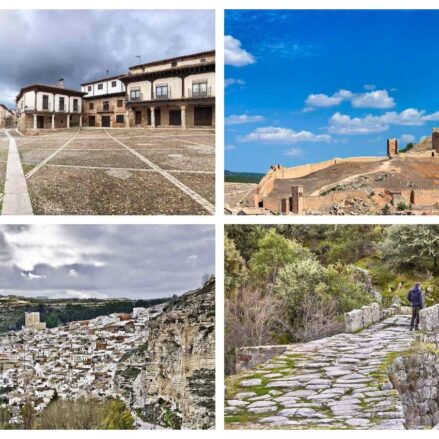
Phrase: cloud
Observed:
(407, 138)
(294, 153)
(37, 45)
(369, 87)
(234, 54)
(137, 261)
(284, 135)
(238, 119)
(372, 99)
(229, 147)
(232, 81)
(344, 124)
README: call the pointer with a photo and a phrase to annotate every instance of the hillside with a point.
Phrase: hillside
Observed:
(242, 177)
(56, 312)
(424, 145)
(170, 379)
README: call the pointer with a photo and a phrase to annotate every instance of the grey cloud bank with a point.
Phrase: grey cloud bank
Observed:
(136, 261)
(40, 46)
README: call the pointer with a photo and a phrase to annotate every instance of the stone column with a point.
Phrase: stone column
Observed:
(80, 121)
(35, 121)
(183, 116)
(152, 117)
(127, 119)
(53, 121)
(68, 121)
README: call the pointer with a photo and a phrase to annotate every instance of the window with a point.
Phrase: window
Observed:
(174, 64)
(89, 88)
(199, 89)
(120, 103)
(61, 104)
(161, 91)
(135, 95)
(100, 86)
(45, 102)
(75, 104)
(91, 106)
(120, 118)
(106, 105)
(203, 60)
(113, 83)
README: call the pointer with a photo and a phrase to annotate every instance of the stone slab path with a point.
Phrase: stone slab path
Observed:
(337, 382)
(16, 199)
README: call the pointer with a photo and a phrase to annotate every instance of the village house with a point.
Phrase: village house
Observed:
(48, 106)
(6, 117)
(104, 103)
(173, 92)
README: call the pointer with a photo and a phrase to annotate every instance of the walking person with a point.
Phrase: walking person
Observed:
(416, 299)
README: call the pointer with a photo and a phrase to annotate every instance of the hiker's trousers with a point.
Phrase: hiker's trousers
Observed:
(415, 317)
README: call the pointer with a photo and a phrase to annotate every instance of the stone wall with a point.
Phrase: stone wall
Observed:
(170, 379)
(251, 356)
(415, 376)
(359, 319)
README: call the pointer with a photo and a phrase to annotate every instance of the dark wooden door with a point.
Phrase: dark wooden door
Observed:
(138, 118)
(40, 121)
(158, 117)
(175, 117)
(91, 121)
(106, 123)
(203, 116)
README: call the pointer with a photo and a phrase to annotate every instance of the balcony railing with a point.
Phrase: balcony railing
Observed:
(138, 98)
(199, 93)
(162, 97)
(105, 108)
(32, 108)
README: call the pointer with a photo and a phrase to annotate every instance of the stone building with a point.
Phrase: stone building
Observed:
(104, 103)
(392, 148)
(435, 140)
(48, 106)
(32, 321)
(174, 92)
(6, 117)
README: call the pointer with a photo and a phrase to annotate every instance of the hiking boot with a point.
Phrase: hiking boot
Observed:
(411, 329)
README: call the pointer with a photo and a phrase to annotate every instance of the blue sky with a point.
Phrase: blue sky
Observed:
(306, 86)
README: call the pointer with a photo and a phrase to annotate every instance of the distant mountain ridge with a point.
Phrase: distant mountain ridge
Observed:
(242, 177)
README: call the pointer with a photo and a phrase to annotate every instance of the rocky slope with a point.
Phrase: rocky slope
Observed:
(170, 379)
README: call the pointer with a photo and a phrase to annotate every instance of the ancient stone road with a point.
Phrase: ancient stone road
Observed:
(336, 382)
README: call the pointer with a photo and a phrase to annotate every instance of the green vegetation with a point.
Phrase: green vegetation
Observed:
(82, 414)
(242, 177)
(293, 283)
(408, 147)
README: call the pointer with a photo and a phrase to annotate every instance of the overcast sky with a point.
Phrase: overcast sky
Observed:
(80, 261)
(43, 46)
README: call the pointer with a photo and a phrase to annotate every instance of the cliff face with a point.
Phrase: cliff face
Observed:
(170, 379)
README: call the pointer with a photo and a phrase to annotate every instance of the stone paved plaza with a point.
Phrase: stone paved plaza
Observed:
(117, 171)
(339, 382)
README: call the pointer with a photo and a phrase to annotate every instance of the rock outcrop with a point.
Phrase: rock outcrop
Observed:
(170, 379)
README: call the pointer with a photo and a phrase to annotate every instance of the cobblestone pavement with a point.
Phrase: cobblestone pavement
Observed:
(339, 382)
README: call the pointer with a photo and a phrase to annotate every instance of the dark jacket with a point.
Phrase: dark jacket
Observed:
(415, 298)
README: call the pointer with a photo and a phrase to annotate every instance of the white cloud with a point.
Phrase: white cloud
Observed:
(73, 273)
(232, 81)
(407, 138)
(369, 87)
(238, 119)
(372, 99)
(234, 54)
(294, 153)
(229, 147)
(344, 124)
(30, 275)
(285, 135)
(77, 294)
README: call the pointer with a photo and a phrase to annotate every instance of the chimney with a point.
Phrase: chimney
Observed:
(61, 82)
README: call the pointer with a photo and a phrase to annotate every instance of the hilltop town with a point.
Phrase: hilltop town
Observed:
(402, 182)
(73, 361)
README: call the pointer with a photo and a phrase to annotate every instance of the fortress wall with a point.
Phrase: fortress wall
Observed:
(426, 196)
(311, 203)
(265, 186)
